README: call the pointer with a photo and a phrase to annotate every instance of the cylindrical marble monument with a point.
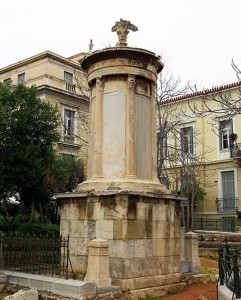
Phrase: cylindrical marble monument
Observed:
(122, 142)
(122, 200)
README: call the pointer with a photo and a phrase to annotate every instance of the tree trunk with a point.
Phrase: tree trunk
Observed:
(183, 215)
(41, 212)
(192, 210)
(32, 216)
(188, 213)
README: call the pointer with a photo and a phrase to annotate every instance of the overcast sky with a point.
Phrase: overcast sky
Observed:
(197, 39)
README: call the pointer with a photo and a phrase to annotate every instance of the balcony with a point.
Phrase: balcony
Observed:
(70, 87)
(235, 152)
(68, 139)
(227, 204)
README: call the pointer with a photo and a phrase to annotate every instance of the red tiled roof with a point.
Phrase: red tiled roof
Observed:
(203, 92)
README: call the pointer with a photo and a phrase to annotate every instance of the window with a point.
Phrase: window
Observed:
(68, 77)
(227, 191)
(21, 78)
(225, 129)
(68, 122)
(165, 181)
(7, 81)
(187, 140)
(162, 145)
(187, 180)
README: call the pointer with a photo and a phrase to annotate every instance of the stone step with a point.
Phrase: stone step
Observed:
(64, 287)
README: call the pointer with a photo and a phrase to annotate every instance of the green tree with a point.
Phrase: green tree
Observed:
(28, 131)
(66, 173)
(191, 188)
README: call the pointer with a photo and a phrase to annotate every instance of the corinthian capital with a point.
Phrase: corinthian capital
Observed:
(99, 83)
(131, 81)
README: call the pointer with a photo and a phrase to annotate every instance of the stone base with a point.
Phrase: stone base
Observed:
(142, 229)
(59, 286)
(147, 282)
(130, 184)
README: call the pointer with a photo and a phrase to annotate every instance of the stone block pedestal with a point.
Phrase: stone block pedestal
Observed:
(98, 263)
(191, 239)
(142, 229)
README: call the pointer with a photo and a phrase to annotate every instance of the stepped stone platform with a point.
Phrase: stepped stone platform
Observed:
(68, 288)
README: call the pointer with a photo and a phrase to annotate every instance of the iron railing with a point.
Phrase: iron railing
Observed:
(45, 255)
(70, 87)
(227, 204)
(68, 139)
(223, 224)
(235, 150)
(229, 268)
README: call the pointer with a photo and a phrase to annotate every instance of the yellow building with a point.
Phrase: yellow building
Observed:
(60, 81)
(200, 139)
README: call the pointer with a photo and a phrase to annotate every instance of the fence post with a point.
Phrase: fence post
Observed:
(227, 262)
(191, 250)
(98, 263)
(1, 251)
(220, 264)
(233, 224)
(236, 275)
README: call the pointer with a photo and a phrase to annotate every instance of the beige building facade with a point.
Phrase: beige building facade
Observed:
(61, 82)
(205, 144)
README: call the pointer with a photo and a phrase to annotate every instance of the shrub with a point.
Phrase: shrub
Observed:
(21, 225)
(29, 228)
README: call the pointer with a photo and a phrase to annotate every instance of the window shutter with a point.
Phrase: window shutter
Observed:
(65, 121)
(71, 122)
(220, 135)
(191, 140)
(182, 140)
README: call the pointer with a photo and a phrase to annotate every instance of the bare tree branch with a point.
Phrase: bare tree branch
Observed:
(175, 162)
(227, 103)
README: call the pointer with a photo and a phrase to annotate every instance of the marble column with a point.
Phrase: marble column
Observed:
(98, 130)
(153, 132)
(130, 171)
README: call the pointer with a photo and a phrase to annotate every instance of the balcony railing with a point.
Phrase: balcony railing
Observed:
(235, 150)
(227, 204)
(70, 87)
(68, 139)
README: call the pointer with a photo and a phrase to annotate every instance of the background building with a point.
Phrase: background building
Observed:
(201, 146)
(61, 82)
(195, 147)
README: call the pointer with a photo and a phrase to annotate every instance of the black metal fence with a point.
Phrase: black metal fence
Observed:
(229, 268)
(45, 255)
(224, 224)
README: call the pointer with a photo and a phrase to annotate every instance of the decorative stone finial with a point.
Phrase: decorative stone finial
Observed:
(91, 45)
(122, 28)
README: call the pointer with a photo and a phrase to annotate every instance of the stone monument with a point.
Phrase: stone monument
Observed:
(122, 200)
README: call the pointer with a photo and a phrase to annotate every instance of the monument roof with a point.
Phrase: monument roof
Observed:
(122, 52)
